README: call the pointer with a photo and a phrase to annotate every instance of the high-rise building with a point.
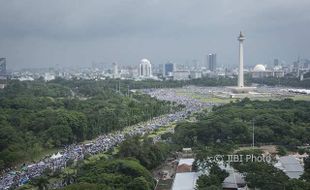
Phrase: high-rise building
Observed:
(195, 64)
(115, 71)
(3, 74)
(306, 64)
(158, 70)
(212, 62)
(145, 68)
(276, 63)
(2, 66)
(168, 69)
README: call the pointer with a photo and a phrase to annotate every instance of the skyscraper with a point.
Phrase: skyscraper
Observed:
(2, 66)
(3, 74)
(115, 70)
(168, 69)
(212, 62)
(145, 68)
(276, 62)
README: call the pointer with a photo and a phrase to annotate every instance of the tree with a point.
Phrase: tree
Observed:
(38, 115)
(87, 186)
(40, 182)
(139, 183)
(150, 155)
(296, 184)
(212, 181)
(68, 178)
(281, 150)
(116, 174)
(263, 175)
(306, 174)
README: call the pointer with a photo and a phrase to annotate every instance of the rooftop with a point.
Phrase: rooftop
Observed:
(185, 181)
(187, 161)
(291, 166)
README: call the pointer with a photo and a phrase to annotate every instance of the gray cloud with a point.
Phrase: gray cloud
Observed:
(40, 33)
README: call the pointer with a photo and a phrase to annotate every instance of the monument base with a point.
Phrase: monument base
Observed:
(241, 90)
(240, 93)
(251, 95)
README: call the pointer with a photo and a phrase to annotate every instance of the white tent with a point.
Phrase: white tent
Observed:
(41, 163)
(56, 156)
(31, 165)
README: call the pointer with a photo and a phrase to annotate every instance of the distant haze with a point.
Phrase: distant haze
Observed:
(42, 33)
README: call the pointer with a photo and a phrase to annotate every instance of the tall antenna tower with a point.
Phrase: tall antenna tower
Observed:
(253, 134)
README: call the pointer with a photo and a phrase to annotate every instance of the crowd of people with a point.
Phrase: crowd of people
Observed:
(75, 152)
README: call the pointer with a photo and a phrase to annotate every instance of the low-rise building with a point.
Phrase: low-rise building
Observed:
(290, 166)
(195, 74)
(185, 165)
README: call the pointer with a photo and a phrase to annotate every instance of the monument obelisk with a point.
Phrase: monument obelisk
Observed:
(241, 91)
(241, 38)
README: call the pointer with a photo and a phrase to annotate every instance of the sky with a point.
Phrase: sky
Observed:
(77, 33)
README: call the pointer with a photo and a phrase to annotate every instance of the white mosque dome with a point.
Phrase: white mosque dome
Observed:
(145, 68)
(145, 62)
(259, 68)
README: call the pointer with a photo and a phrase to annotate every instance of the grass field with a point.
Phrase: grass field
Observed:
(301, 97)
(96, 157)
(162, 130)
(45, 152)
(210, 99)
(203, 98)
(268, 149)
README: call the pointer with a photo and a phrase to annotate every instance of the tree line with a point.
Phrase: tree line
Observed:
(219, 132)
(285, 122)
(36, 116)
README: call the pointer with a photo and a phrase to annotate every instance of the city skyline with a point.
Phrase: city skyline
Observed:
(73, 33)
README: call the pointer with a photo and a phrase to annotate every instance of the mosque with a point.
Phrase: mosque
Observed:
(260, 71)
(145, 69)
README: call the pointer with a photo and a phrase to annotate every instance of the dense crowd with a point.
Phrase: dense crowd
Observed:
(75, 152)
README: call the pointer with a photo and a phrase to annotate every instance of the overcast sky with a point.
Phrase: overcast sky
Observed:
(43, 33)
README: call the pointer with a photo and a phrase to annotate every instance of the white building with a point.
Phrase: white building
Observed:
(145, 69)
(115, 71)
(260, 71)
(186, 179)
(181, 75)
(195, 74)
(49, 76)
